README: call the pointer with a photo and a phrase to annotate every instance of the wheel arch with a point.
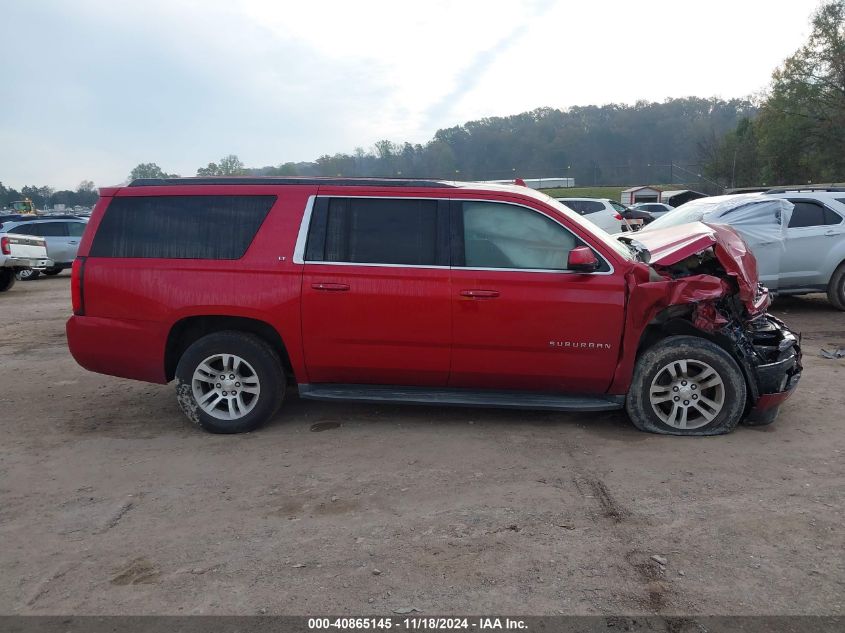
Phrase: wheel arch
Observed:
(675, 321)
(190, 329)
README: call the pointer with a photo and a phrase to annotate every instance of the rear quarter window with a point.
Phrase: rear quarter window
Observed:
(180, 227)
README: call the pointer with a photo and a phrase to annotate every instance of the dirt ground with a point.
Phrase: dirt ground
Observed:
(112, 503)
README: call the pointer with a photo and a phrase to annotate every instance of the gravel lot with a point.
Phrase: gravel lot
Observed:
(111, 503)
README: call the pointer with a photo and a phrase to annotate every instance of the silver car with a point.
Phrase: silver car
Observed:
(798, 238)
(63, 234)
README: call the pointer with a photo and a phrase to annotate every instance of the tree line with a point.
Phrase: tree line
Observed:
(611, 144)
(85, 195)
(798, 133)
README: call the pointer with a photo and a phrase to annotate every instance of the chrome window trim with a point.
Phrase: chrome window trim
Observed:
(302, 236)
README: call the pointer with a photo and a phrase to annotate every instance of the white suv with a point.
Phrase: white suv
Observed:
(603, 212)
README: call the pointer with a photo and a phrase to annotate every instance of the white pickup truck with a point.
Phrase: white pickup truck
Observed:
(20, 252)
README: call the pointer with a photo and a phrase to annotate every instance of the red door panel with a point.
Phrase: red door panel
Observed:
(536, 331)
(376, 324)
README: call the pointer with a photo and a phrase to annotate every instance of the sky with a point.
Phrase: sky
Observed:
(92, 88)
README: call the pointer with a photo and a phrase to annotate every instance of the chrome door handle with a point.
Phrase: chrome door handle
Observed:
(331, 287)
(480, 294)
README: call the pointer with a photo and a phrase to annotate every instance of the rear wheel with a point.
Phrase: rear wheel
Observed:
(7, 279)
(836, 288)
(28, 274)
(229, 382)
(686, 385)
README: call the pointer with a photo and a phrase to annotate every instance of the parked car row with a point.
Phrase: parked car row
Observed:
(62, 235)
(608, 214)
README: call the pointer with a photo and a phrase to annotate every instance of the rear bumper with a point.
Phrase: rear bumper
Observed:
(26, 262)
(117, 347)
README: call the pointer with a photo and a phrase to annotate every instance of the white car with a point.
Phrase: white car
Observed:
(603, 212)
(62, 233)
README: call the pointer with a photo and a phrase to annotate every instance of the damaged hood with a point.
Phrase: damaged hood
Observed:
(674, 244)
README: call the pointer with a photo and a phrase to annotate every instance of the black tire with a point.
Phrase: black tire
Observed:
(836, 288)
(7, 279)
(261, 361)
(28, 274)
(52, 271)
(658, 358)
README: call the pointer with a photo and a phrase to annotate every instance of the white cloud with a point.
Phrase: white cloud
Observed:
(184, 82)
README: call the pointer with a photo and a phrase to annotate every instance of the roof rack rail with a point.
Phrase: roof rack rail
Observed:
(808, 188)
(293, 180)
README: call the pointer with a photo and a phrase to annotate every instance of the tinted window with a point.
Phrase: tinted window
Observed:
(75, 229)
(831, 217)
(505, 236)
(374, 231)
(180, 227)
(584, 207)
(807, 213)
(52, 229)
(24, 229)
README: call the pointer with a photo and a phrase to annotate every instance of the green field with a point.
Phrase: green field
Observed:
(614, 193)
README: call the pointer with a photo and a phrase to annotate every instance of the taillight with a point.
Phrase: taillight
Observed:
(618, 216)
(4, 246)
(77, 293)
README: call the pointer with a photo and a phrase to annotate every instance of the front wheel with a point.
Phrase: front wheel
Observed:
(229, 382)
(686, 385)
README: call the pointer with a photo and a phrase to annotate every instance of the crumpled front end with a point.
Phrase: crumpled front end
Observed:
(702, 278)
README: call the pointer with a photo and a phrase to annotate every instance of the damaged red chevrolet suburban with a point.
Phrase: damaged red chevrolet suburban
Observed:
(421, 292)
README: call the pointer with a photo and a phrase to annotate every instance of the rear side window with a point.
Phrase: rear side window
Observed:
(378, 231)
(809, 213)
(180, 227)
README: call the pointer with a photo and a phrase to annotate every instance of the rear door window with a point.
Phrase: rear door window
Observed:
(394, 231)
(811, 213)
(180, 227)
(52, 229)
(75, 229)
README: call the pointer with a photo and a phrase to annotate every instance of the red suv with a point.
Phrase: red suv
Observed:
(422, 292)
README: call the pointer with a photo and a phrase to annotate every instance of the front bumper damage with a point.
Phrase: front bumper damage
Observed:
(705, 276)
(770, 356)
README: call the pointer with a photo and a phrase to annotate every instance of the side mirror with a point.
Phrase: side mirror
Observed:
(582, 259)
